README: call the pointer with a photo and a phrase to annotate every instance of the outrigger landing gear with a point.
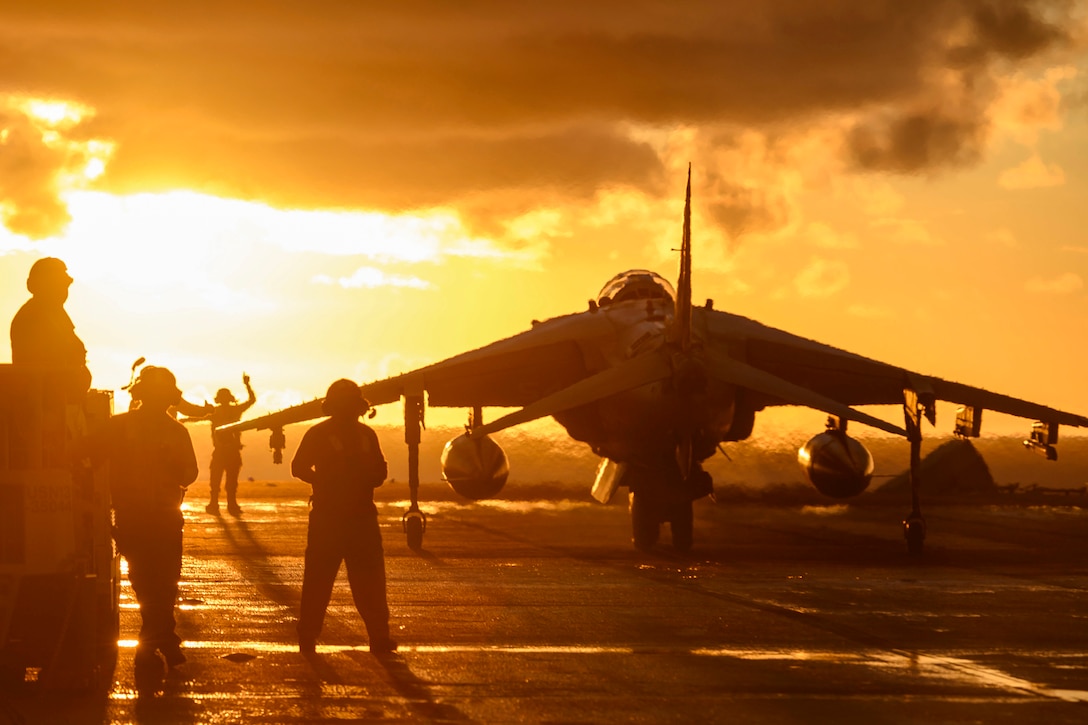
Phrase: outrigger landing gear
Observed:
(914, 525)
(414, 521)
(914, 531)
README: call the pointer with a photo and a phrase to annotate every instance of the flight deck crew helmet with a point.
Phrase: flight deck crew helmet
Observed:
(47, 272)
(156, 382)
(223, 395)
(344, 396)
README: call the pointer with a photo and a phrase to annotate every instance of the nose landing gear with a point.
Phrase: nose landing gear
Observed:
(652, 507)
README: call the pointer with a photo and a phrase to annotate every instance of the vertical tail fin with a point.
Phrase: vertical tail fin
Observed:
(683, 287)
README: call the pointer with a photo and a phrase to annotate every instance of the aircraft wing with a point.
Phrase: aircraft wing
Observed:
(559, 364)
(513, 372)
(843, 376)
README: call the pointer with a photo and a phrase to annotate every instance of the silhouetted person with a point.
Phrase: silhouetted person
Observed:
(42, 333)
(151, 462)
(191, 409)
(184, 407)
(226, 446)
(341, 458)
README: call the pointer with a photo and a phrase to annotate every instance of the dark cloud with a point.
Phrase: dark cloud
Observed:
(1016, 29)
(952, 130)
(348, 171)
(415, 103)
(917, 142)
(740, 210)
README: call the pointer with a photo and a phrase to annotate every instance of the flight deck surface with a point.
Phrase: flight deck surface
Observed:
(540, 610)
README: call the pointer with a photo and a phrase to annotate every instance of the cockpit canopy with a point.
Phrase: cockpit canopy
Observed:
(636, 284)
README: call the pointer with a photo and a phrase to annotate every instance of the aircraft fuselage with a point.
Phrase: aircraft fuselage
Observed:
(643, 426)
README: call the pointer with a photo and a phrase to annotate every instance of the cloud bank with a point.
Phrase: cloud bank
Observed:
(418, 104)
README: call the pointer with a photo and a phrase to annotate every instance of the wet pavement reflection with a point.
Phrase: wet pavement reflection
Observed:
(540, 611)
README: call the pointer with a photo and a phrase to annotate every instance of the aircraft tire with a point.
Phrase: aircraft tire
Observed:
(645, 527)
(413, 527)
(682, 525)
(914, 530)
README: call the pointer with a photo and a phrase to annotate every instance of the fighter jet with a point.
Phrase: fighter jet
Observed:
(654, 384)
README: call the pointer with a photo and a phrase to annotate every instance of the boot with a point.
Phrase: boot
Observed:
(380, 641)
(173, 655)
(383, 645)
(232, 499)
(148, 669)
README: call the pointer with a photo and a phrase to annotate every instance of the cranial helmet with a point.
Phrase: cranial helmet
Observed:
(223, 395)
(47, 271)
(156, 382)
(344, 396)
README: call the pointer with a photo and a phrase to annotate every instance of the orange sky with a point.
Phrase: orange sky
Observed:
(305, 191)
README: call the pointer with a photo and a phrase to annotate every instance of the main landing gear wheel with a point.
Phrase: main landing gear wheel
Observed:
(682, 524)
(646, 519)
(415, 523)
(645, 527)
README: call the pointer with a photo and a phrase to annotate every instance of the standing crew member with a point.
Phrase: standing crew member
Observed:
(42, 333)
(151, 462)
(341, 458)
(226, 446)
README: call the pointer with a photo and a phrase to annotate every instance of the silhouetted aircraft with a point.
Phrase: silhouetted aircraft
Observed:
(654, 384)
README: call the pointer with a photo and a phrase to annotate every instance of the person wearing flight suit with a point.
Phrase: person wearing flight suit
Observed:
(341, 458)
(42, 333)
(151, 463)
(226, 446)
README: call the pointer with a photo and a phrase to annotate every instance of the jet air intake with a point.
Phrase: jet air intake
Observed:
(475, 467)
(836, 464)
